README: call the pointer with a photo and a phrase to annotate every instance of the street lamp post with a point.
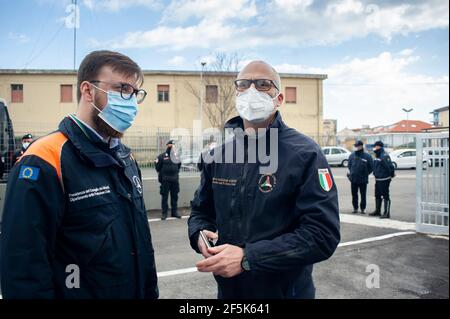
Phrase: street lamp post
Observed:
(407, 111)
(201, 94)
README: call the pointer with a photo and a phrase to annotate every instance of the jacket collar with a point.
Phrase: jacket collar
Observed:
(90, 146)
(237, 122)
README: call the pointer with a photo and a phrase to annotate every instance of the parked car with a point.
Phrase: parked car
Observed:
(406, 158)
(336, 155)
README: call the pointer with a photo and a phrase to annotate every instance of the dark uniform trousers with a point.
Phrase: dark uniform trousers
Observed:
(382, 189)
(362, 188)
(172, 187)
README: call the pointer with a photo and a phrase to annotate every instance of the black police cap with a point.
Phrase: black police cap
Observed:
(27, 136)
(379, 143)
(359, 143)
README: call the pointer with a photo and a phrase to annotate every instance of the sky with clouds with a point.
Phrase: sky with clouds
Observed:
(380, 56)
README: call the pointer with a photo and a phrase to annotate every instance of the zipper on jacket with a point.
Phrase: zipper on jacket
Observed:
(243, 196)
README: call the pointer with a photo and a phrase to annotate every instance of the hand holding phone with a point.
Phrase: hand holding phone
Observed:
(205, 241)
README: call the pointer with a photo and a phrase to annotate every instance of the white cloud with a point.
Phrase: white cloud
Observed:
(294, 4)
(18, 37)
(212, 10)
(345, 7)
(177, 61)
(344, 20)
(116, 5)
(374, 90)
(204, 35)
(406, 52)
(224, 25)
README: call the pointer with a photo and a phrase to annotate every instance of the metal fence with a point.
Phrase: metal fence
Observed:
(432, 184)
(147, 143)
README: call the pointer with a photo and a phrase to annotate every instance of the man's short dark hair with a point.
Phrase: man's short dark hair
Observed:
(94, 61)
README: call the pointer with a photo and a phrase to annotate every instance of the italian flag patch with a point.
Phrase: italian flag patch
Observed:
(325, 179)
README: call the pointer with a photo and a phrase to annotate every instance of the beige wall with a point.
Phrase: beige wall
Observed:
(42, 109)
(443, 118)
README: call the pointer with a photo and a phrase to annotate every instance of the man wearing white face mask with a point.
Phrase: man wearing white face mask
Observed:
(270, 227)
(27, 139)
(74, 223)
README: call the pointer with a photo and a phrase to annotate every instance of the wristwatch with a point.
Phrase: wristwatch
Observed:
(244, 263)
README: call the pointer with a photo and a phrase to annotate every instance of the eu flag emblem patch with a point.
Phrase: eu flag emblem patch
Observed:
(29, 172)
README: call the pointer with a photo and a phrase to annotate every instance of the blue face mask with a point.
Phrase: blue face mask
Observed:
(118, 113)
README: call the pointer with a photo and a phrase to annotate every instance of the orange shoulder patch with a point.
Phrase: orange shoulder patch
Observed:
(48, 148)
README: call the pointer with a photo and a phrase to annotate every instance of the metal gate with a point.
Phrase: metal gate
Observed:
(432, 183)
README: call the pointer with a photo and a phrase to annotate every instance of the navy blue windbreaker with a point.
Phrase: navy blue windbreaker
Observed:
(360, 166)
(383, 169)
(71, 201)
(286, 221)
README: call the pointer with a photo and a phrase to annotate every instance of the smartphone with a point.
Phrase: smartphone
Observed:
(205, 239)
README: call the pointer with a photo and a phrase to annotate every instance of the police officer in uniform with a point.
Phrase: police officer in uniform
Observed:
(27, 139)
(168, 167)
(384, 171)
(271, 225)
(360, 166)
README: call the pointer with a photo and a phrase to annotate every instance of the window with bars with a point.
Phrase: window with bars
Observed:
(163, 93)
(212, 94)
(66, 93)
(291, 95)
(16, 93)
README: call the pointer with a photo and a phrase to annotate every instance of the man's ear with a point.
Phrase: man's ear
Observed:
(86, 91)
(280, 99)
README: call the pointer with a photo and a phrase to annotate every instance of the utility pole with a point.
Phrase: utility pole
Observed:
(75, 34)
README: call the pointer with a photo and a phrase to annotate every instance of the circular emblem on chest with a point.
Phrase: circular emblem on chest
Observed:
(137, 184)
(267, 183)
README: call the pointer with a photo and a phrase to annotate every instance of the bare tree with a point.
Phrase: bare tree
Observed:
(218, 79)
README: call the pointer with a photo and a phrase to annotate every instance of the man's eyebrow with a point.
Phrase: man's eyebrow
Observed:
(125, 83)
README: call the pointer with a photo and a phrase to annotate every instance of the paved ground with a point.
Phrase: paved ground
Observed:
(403, 194)
(410, 265)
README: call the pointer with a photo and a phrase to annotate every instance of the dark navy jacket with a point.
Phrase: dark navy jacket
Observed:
(285, 221)
(168, 171)
(71, 200)
(360, 165)
(383, 169)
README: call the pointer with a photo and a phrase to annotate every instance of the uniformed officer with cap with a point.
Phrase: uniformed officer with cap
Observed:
(27, 139)
(384, 171)
(168, 166)
(360, 166)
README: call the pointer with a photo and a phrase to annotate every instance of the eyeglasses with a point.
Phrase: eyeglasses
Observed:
(126, 90)
(260, 84)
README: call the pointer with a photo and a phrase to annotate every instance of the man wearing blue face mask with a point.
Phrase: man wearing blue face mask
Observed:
(270, 227)
(74, 223)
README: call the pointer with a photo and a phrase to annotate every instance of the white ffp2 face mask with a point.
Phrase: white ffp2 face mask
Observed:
(255, 106)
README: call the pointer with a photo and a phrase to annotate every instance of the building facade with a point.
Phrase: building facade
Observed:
(440, 117)
(39, 99)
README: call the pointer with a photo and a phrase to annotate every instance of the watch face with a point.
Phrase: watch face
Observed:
(245, 264)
